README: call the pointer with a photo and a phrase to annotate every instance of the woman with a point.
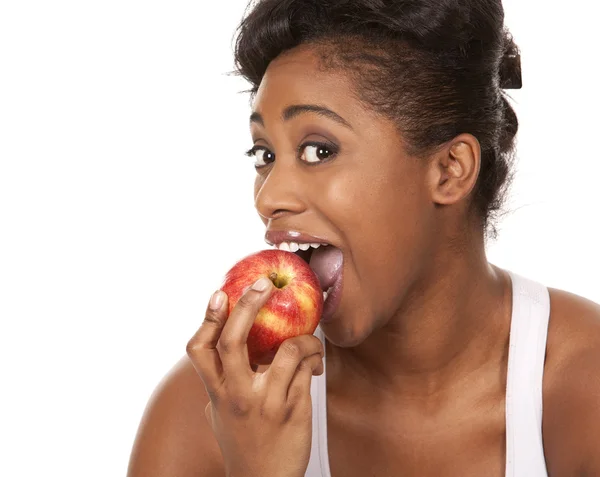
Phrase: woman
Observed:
(381, 128)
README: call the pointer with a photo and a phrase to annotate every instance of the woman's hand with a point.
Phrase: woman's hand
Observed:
(262, 421)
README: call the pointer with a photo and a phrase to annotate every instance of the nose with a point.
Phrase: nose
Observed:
(280, 192)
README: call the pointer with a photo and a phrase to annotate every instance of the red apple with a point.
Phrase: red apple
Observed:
(294, 307)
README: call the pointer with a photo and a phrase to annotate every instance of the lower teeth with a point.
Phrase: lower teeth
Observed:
(326, 293)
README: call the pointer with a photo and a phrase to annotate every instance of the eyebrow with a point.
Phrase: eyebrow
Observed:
(297, 109)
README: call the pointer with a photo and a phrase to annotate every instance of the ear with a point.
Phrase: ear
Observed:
(453, 170)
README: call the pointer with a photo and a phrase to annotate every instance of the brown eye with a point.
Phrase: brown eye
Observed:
(316, 152)
(262, 154)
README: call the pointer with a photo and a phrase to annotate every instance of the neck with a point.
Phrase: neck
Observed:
(452, 323)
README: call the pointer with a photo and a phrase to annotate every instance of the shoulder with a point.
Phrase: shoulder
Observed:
(174, 437)
(571, 419)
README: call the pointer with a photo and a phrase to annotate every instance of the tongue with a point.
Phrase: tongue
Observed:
(326, 262)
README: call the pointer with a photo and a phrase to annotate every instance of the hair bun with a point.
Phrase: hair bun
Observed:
(510, 65)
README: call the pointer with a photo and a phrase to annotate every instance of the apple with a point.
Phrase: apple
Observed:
(294, 307)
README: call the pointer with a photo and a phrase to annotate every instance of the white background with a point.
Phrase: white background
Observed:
(125, 197)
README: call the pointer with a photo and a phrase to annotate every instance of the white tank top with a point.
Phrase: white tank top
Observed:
(527, 350)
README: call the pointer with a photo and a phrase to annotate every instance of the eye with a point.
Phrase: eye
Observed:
(310, 152)
(315, 152)
(262, 154)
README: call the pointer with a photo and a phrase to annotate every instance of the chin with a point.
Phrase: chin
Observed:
(351, 329)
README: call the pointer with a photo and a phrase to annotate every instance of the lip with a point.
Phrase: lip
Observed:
(333, 300)
(275, 237)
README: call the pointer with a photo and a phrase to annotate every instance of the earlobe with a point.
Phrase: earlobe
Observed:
(456, 168)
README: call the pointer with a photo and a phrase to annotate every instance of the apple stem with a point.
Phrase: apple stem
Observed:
(277, 281)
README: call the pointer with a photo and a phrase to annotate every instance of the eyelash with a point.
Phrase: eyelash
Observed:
(334, 150)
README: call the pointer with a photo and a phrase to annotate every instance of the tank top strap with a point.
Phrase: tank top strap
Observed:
(527, 350)
(526, 358)
(318, 464)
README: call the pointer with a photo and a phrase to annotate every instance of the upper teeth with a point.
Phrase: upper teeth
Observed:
(294, 246)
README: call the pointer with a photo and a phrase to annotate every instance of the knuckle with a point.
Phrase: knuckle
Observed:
(321, 349)
(305, 365)
(312, 363)
(292, 349)
(192, 347)
(316, 346)
(212, 318)
(239, 407)
(225, 346)
(247, 301)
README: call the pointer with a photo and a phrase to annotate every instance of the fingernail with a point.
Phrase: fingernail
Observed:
(216, 300)
(261, 284)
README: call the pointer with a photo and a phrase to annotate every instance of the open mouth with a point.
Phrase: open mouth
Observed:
(305, 254)
(326, 261)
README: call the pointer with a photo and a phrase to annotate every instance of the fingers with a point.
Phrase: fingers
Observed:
(202, 347)
(300, 386)
(306, 349)
(219, 351)
(232, 347)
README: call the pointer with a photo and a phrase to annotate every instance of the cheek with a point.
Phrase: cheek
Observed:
(378, 207)
(383, 218)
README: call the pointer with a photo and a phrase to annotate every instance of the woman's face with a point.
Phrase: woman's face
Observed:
(369, 199)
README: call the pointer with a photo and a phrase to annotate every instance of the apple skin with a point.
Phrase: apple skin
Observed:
(294, 307)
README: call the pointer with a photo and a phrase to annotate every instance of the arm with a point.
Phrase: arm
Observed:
(572, 403)
(174, 438)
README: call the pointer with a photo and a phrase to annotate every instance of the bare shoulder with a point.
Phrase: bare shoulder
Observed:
(571, 419)
(174, 437)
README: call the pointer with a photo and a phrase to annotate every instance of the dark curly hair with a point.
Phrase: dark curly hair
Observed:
(437, 68)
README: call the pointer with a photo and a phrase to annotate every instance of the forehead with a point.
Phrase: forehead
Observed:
(298, 77)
